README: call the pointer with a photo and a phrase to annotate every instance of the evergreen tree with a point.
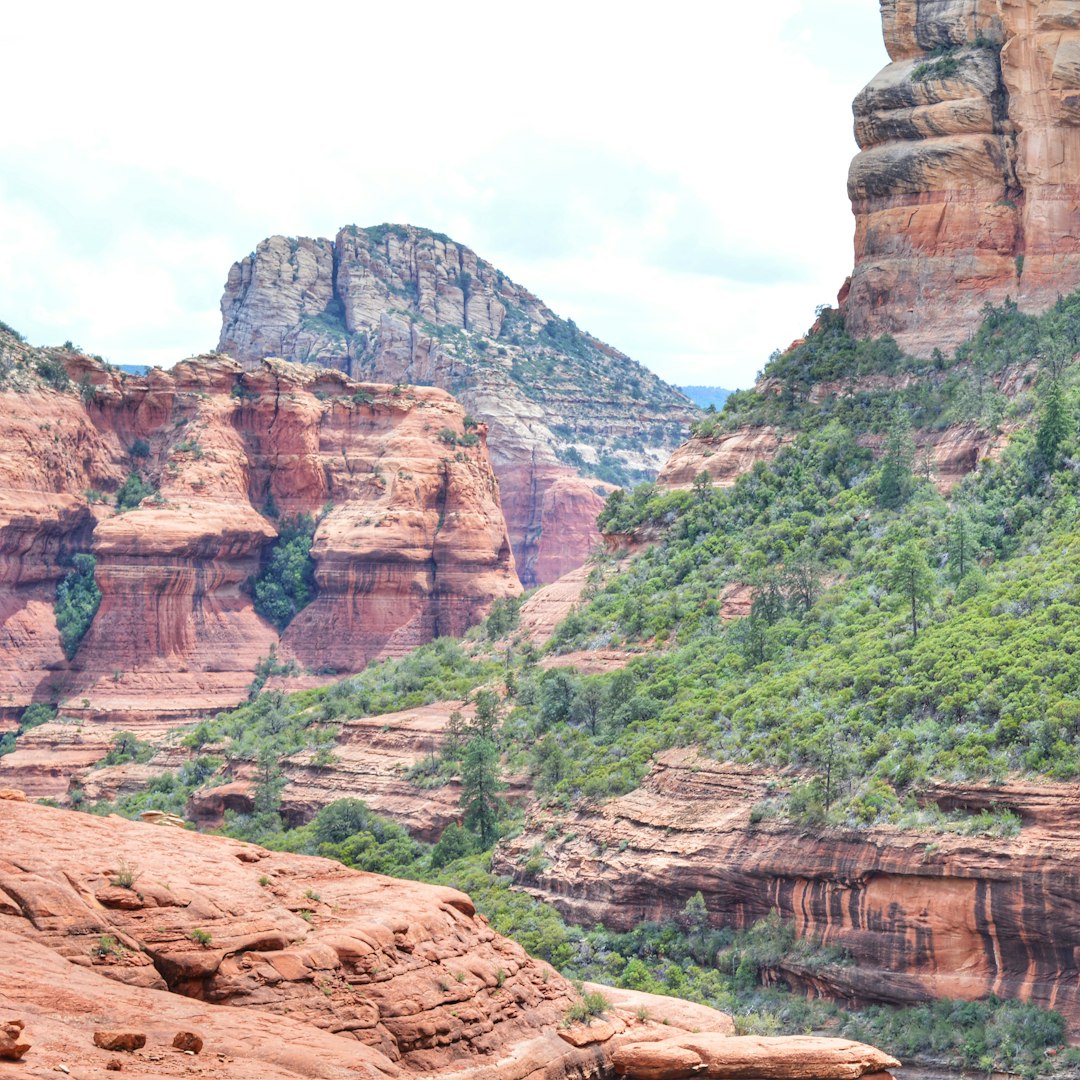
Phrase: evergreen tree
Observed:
(480, 786)
(1054, 427)
(910, 576)
(894, 484)
(960, 544)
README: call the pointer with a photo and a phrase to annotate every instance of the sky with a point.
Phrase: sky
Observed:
(670, 176)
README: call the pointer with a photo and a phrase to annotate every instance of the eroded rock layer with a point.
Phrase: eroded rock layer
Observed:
(922, 916)
(967, 189)
(410, 543)
(118, 936)
(399, 304)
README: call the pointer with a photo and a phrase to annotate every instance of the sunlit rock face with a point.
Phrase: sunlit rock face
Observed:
(967, 186)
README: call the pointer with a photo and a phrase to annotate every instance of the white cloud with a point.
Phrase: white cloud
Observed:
(672, 178)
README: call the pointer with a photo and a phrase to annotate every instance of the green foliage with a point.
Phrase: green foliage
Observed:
(126, 875)
(946, 67)
(132, 492)
(910, 576)
(201, 937)
(126, 747)
(77, 601)
(1055, 426)
(35, 715)
(592, 1003)
(895, 481)
(52, 372)
(286, 583)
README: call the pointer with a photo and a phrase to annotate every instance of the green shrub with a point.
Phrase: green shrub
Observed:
(286, 584)
(132, 492)
(52, 372)
(77, 601)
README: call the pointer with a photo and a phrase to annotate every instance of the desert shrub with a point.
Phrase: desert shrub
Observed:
(132, 492)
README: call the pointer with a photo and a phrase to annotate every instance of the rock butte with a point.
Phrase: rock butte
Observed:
(412, 544)
(966, 190)
(284, 965)
(963, 917)
(397, 303)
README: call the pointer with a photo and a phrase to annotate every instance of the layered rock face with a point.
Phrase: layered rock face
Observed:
(960, 917)
(967, 189)
(399, 304)
(118, 936)
(410, 543)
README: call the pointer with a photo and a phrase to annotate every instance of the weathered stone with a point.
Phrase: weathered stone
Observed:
(990, 916)
(120, 1040)
(968, 184)
(13, 1041)
(189, 1041)
(750, 1057)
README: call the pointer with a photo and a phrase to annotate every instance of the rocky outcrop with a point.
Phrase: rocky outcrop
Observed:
(410, 542)
(723, 458)
(751, 1057)
(967, 186)
(923, 915)
(396, 303)
(130, 936)
(944, 456)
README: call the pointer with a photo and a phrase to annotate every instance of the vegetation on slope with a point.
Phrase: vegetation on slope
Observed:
(286, 584)
(77, 601)
(895, 636)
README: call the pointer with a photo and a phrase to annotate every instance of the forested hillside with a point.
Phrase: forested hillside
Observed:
(893, 636)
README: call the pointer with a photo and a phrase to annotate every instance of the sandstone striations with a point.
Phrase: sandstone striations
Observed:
(966, 189)
(410, 542)
(123, 936)
(395, 303)
(961, 918)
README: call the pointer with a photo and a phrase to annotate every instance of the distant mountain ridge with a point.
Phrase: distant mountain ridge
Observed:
(568, 415)
(704, 396)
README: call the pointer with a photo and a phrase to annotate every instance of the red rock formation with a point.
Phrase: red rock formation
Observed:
(724, 457)
(395, 303)
(411, 543)
(923, 915)
(749, 1057)
(281, 965)
(966, 190)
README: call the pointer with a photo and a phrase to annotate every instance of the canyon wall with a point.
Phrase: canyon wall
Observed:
(967, 187)
(565, 412)
(410, 541)
(922, 915)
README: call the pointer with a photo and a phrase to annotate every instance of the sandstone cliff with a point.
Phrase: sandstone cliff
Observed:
(410, 544)
(967, 186)
(922, 915)
(399, 304)
(282, 965)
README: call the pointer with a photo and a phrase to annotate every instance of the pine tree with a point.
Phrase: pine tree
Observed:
(911, 577)
(480, 787)
(894, 484)
(1054, 427)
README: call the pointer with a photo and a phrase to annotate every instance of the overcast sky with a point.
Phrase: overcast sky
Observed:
(671, 176)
